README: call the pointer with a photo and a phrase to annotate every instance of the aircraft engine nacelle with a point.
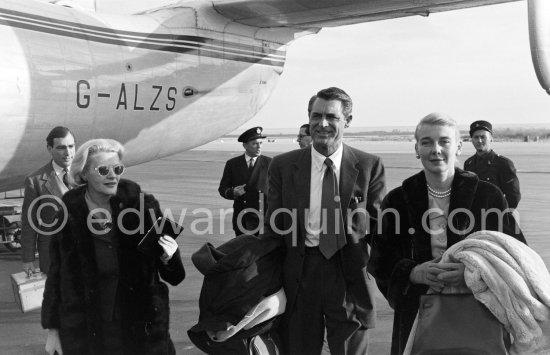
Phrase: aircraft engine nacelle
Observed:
(539, 37)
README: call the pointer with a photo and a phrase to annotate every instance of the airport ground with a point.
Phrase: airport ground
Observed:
(187, 185)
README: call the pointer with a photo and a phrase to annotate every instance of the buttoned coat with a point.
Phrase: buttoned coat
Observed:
(499, 171)
(71, 297)
(405, 241)
(362, 187)
(236, 173)
(43, 188)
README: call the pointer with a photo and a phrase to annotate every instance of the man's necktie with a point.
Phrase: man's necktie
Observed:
(250, 165)
(66, 177)
(332, 236)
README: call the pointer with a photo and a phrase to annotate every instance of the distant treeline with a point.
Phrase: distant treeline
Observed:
(512, 134)
(521, 134)
(505, 134)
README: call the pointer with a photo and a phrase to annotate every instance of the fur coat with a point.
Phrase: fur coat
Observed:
(71, 302)
(404, 240)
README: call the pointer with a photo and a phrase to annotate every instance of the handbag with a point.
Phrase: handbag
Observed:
(456, 324)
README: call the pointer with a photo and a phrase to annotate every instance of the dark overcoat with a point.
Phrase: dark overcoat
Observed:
(498, 170)
(404, 241)
(362, 187)
(236, 173)
(71, 298)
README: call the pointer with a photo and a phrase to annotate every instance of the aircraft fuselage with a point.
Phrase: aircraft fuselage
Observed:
(160, 82)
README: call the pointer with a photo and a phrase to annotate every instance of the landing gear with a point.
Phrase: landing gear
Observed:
(11, 235)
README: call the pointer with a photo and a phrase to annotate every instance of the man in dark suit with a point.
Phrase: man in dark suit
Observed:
(43, 191)
(323, 204)
(244, 181)
(304, 138)
(490, 166)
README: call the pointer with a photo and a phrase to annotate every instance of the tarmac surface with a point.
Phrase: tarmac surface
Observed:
(187, 185)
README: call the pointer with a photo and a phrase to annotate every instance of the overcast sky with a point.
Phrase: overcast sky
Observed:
(472, 64)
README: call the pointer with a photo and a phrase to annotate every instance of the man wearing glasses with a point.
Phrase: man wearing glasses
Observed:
(304, 139)
(43, 191)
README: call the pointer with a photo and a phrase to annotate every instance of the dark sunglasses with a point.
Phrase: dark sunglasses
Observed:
(103, 170)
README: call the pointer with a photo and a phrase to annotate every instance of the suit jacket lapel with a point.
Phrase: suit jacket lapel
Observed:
(302, 182)
(348, 177)
(242, 168)
(53, 183)
(258, 166)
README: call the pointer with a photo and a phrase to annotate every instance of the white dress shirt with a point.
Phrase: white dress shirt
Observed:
(248, 158)
(59, 172)
(313, 215)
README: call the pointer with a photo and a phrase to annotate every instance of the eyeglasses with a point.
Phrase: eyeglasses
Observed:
(103, 170)
(300, 136)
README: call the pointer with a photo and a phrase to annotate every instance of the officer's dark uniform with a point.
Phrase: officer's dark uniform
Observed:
(495, 168)
(235, 173)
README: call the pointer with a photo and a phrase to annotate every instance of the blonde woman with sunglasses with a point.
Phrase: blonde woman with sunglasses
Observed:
(102, 295)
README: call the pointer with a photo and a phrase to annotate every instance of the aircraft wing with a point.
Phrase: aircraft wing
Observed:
(326, 13)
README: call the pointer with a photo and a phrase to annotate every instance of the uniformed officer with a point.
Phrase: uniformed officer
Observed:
(490, 166)
(244, 180)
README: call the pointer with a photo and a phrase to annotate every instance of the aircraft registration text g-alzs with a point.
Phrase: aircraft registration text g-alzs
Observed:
(165, 79)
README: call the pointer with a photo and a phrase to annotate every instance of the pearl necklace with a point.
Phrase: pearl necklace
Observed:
(438, 194)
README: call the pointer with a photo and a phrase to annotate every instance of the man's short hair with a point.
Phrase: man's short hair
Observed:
(57, 132)
(306, 126)
(310, 105)
(334, 93)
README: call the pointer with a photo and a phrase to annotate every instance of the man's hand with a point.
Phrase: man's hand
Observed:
(29, 268)
(53, 343)
(239, 190)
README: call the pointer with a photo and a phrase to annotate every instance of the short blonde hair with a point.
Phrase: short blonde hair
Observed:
(82, 156)
(437, 119)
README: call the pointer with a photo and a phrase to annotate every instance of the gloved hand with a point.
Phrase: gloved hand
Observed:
(53, 343)
(427, 274)
(453, 274)
(169, 246)
(29, 268)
